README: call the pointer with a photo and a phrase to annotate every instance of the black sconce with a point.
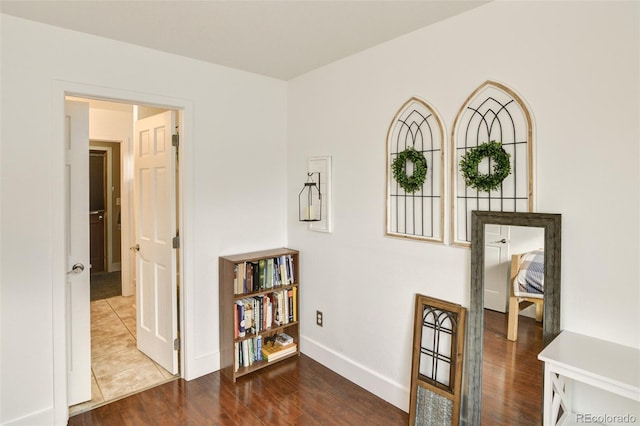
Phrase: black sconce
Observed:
(310, 200)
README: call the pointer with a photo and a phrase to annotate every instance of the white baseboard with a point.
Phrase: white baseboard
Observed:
(392, 392)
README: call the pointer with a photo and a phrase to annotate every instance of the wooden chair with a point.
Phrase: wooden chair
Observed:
(518, 303)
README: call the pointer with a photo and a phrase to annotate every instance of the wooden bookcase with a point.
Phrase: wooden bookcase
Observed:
(228, 273)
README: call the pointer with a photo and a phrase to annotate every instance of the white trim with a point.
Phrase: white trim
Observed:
(392, 392)
(60, 89)
(127, 269)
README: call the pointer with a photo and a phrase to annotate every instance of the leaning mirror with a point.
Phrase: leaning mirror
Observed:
(483, 223)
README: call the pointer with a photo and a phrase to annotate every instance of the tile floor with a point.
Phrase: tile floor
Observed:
(118, 368)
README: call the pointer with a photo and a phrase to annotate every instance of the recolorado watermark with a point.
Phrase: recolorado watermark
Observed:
(585, 418)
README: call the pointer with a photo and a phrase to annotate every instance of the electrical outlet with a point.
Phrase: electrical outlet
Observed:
(319, 318)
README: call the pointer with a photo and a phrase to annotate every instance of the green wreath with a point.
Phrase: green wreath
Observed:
(501, 166)
(414, 182)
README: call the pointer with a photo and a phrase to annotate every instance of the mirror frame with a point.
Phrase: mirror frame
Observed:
(475, 323)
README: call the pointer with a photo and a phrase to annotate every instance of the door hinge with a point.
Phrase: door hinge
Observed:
(176, 242)
(176, 344)
(175, 140)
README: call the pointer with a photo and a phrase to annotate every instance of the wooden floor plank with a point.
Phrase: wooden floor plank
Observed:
(511, 373)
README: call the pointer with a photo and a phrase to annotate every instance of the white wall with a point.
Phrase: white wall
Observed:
(576, 65)
(234, 168)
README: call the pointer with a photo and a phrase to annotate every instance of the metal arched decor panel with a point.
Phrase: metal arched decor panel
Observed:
(492, 157)
(415, 173)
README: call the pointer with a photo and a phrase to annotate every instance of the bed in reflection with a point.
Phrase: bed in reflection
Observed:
(526, 287)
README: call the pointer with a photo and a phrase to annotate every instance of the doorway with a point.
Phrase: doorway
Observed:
(118, 368)
(105, 218)
(97, 210)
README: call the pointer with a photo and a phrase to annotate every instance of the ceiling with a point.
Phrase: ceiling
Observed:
(280, 39)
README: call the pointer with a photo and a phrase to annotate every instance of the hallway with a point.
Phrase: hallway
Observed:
(118, 369)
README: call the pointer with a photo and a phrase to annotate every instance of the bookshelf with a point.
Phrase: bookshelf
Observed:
(262, 288)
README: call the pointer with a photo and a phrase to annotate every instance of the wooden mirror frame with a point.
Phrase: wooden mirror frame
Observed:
(471, 414)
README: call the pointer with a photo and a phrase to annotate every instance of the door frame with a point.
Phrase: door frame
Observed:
(185, 200)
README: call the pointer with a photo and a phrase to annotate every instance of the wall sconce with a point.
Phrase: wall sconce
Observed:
(310, 200)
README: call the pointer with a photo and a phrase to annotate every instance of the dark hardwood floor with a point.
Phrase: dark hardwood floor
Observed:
(298, 391)
(511, 373)
(301, 391)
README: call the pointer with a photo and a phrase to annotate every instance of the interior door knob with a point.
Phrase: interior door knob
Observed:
(135, 248)
(502, 241)
(76, 269)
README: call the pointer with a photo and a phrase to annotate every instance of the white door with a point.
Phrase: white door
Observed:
(496, 267)
(77, 235)
(155, 224)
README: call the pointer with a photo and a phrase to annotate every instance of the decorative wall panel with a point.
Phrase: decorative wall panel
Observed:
(493, 124)
(436, 369)
(415, 173)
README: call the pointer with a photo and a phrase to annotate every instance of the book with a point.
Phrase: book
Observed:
(291, 272)
(284, 265)
(245, 354)
(269, 273)
(295, 304)
(248, 316)
(269, 303)
(256, 276)
(248, 282)
(283, 339)
(279, 308)
(235, 279)
(282, 301)
(241, 278)
(257, 325)
(275, 308)
(240, 322)
(276, 272)
(282, 269)
(258, 308)
(259, 348)
(263, 312)
(262, 273)
(271, 352)
(236, 329)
